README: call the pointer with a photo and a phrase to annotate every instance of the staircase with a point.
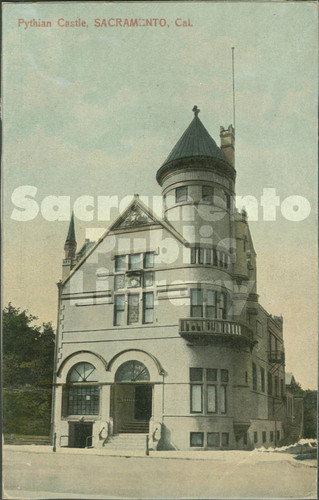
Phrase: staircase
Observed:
(126, 442)
(137, 427)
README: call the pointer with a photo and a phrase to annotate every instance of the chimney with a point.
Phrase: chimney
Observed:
(227, 143)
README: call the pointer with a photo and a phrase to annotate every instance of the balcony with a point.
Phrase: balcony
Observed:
(206, 331)
(276, 357)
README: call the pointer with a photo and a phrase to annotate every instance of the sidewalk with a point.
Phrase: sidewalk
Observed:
(219, 456)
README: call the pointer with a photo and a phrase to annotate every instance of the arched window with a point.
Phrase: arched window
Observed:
(82, 372)
(82, 394)
(132, 371)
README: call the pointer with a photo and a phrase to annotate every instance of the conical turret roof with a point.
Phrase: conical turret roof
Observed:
(195, 141)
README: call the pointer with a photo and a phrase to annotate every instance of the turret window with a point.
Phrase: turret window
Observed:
(208, 194)
(208, 256)
(212, 304)
(181, 194)
(196, 303)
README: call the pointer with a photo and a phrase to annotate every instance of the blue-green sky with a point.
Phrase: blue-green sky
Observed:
(95, 111)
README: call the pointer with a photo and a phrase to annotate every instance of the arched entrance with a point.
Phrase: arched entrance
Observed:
(131, 398)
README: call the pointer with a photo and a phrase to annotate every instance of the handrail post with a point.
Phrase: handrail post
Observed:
(147, 451)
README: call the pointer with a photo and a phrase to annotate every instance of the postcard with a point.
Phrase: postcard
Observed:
(159, 256)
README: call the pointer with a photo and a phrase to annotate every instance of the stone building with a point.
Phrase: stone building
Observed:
(160, 331)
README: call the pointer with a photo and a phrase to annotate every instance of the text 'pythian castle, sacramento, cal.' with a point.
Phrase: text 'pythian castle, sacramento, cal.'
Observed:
(114, 22)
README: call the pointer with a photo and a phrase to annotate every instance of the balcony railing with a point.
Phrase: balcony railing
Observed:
(276, 357)
(201, 328)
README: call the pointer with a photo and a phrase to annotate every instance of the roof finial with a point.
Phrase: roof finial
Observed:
(196, 110)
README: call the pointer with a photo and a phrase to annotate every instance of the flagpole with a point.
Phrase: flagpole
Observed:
(233, 70)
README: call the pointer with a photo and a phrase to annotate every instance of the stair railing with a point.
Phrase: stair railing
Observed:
(86, 441)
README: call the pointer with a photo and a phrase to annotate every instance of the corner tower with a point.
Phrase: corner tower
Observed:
(198, 184)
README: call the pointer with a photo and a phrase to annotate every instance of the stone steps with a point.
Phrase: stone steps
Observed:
(129, 442)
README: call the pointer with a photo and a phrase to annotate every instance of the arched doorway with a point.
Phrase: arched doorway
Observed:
(131, 398)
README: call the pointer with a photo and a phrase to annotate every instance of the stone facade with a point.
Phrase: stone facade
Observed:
(159, 326)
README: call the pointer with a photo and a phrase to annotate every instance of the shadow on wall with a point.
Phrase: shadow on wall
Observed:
(165, 440)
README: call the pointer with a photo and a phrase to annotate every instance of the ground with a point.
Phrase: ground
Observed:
(37, 472)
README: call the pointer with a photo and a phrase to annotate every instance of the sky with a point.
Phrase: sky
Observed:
(94, 111)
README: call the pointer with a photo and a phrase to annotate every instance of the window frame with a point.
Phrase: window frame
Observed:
(254, 377)
(201, 434)
(145, 308)
(208, 198)
(117, 310)
(129, 297)
(178, 195)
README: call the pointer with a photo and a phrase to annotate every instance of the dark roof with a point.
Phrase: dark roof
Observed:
(195, 141)
(71, 232)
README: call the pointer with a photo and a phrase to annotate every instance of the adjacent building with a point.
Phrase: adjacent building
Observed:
(160, 330)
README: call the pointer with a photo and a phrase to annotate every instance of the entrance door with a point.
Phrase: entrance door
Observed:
(80, 434)
(143, 402)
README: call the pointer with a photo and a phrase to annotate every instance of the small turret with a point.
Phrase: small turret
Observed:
(69, 248)
(227, 143)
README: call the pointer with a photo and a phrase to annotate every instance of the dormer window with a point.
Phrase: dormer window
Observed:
(181, 194)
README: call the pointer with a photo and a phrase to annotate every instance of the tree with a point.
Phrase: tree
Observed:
(28, 353)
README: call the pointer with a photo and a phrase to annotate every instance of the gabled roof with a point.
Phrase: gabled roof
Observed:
(195, 141)
(116, 227)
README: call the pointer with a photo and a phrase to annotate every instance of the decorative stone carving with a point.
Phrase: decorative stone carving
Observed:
(136, 217)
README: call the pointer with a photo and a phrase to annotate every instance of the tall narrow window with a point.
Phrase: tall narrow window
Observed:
(208, 256)
(148, 307)
(222, 306)
(223, 399)
(269, 381)
(254, 376)
(196, 303)
(262, 379)
(148, 260)
(133, 308)
(211, 399)
(119, 305)
(135, 261)
(181, 194)
(276, 386)
(215, 258)
(196, 379)
(211, 304)
(228, 201)
(264, 436)
(208, 194)
(120, 263)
